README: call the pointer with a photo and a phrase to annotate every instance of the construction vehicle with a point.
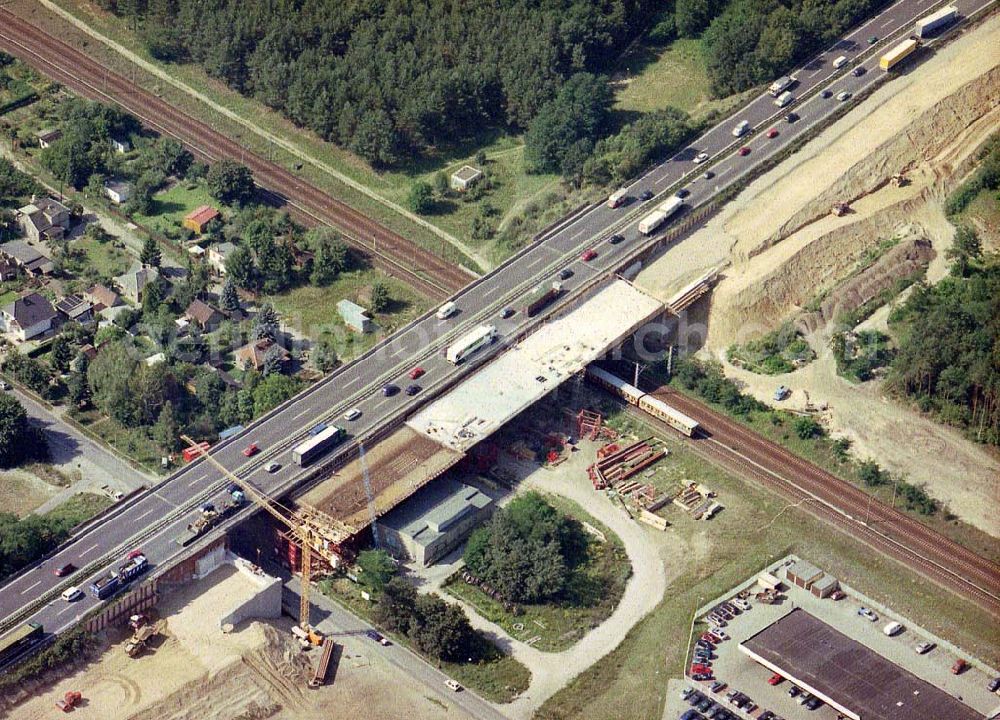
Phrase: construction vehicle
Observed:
(310, 529)
(840, 209)
(69, 701)
(210, 517)
(899, 180)
(142, 635)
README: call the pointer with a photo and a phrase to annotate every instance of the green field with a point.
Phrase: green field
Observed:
(594, 591)
(171, 205)
(107, 260)
(656, 77)
(755, 528)
(134, 443)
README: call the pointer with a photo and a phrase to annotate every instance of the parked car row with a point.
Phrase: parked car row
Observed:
(804, 698)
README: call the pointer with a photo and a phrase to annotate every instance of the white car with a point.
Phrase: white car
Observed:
(741, 603)
(72, 593)
(352, 414)
(922, 648)
(842, 96)
(892, 629)
(719, 633)
(700, 158)
(453, 685)
(867, 614)
(273, 467)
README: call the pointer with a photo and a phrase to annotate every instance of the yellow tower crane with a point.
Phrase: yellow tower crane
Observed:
(312, 530)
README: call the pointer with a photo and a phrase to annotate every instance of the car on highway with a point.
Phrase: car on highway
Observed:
(646, 195)
(352, 414)
(858, 71)
(708, 175)
(317, 429)
(64, 570)
(251, 450)
(416, 372)
(506, 313)
(772, 133)
(389, 390)
(565, 274)
(844, 95)
(924, 647)
(868, 614)
(378, 637)
(700, 158)
(744, 151)
(452, 685)
(615, 239)
(791, 117)
(588, 255)
(826, 93)
(72, 594)
(273, 467)
(682, 193)
(412, 390)
(742, 129)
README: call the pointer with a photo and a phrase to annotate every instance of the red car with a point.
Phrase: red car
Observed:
(251, 450)
(416, 372)
(744, 151)
(64, 570)
(589, 255)
(775, 679)
(134, 554)
(772, 133)
(699, 668)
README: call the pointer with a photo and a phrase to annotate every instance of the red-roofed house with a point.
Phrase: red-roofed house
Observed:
(198, 220)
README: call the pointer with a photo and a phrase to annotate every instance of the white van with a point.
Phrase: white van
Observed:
(840, 62)
(72, 593)
(447, 310)
(893, 628)
(784, 99)
(741, 129)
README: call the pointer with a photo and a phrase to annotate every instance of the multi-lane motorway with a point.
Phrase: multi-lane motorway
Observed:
(156, 517)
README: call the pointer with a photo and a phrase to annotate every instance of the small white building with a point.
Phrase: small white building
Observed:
(28, 317)
(218, 254)
(465, 177)
(120, 145)
(118, 192)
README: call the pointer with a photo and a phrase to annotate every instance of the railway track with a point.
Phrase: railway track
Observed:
(889, 531)
(305, 202)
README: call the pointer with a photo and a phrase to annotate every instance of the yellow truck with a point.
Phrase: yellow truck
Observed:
(899, 53)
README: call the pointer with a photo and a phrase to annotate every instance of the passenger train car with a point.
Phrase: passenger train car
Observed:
(644, 401)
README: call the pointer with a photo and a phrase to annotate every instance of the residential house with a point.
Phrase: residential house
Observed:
(118, 192)
(44, 219)
(48, 136)
(120, 145)
(197, 220)
(203, 315)
(251, 356)
(218, 254)
(27, 257)
(28, 317)
(76, 308)
(102, 297)
(355, 317)
(8, 269)
(135, 281)
(465, 178)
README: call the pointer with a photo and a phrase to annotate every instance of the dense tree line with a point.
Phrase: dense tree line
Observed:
(85, 145)
(710, 382)
(15, 186)
(25, 540)
(624, 155)
(949, 343)
(527, 551)
(436, 627)
(20, 441)
(393, 78)
(986, 177)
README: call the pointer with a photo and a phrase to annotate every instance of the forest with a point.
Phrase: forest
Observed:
(392, 79)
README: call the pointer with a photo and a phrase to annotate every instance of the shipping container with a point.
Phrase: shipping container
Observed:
(927, 25)
(317, 445)
(540, 297)
(899, 53)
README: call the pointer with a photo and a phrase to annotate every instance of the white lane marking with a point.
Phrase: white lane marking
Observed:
(29, 589)
(92, 547)
(492, 291)
(665, 178)
(197, 480)
(307, 410)
(148, 512)
(576, 235)
(356, 379)
(817, 71)
(69, 606)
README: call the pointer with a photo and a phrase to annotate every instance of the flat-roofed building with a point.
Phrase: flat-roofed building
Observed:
(851, 678)
(803, 574)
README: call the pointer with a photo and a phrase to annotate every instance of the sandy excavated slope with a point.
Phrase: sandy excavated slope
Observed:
(783, 248)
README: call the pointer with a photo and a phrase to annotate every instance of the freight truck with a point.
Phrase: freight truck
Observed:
(317, 444)
(210, 516)
(134, 566)
(540, 297)
(935, 21)
(899, 53)
(649, 224)
(780, 85)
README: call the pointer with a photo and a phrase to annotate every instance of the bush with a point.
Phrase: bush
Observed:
(807, 428)
(780, 351)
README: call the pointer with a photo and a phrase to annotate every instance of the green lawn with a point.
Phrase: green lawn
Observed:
(171, 205)
(134, 443)
(313, 310)
(105, 258)
(79, 508)
(8, 297)
(499, 680)
(594, 591)
(755, 528)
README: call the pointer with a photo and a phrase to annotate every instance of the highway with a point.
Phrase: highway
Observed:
(156, 517)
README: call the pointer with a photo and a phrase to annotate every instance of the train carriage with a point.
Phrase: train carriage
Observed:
(629, 393)
(671, 416)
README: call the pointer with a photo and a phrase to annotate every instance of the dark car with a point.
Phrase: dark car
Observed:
(646, 195)
(744, 151)
(390, 390)
(994, 684)
(708, 175)
(826, 93)
(691, 714)
(705, 704)
(682, 193)
(377, 637)
(791, 117)
(565, 274)
(615, 239)
(858, 71)
(506, 312)
(873, 39)
(813, 703)
(412, 390)
(695, 698)
(64, 570)
(701, 676)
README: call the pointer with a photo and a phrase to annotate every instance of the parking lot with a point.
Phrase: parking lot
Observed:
(742, 674)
